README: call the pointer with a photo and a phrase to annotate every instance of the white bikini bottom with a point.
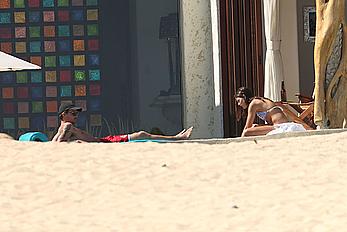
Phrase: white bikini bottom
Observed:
(286, 127)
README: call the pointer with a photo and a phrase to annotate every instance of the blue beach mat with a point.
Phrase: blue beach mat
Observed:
(33, 136)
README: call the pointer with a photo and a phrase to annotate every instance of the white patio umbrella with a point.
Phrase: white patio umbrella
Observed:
(11, 63)
(273, 61)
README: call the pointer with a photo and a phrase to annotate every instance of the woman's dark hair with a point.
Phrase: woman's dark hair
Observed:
(245, 93)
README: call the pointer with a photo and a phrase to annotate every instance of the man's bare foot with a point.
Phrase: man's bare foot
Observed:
(185, 133)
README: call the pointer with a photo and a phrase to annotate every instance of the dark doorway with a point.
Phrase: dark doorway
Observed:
(242, 55)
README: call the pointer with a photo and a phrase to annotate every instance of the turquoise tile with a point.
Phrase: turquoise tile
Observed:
(5, 18)
(92, 2)
(94, 75)
(63, 30)
(36, 77)
(9, 123)
(48, 3)
(35, 46)
(64, 61)
(65, 91)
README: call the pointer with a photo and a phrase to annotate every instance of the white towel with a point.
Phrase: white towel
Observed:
(286, 127)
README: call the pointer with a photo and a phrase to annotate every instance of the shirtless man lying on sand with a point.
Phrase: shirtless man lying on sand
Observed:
(67, 132)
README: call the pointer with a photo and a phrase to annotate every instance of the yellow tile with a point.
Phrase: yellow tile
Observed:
(19, 17)
(92, 14)
(21, 47)
(79, 60)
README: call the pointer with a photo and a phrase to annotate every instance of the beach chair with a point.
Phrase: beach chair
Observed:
(299, 113)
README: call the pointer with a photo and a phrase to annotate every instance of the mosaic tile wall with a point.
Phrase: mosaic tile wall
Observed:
(62, 36)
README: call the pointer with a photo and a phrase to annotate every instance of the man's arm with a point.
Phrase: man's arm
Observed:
(82, 135)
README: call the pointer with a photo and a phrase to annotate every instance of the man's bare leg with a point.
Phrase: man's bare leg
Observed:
(184, 134)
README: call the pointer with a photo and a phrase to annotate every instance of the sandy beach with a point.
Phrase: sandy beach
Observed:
(289, 184)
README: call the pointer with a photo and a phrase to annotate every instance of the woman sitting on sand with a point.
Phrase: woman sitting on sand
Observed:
(274, 117)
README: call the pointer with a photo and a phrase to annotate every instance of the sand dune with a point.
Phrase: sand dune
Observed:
(290, 184)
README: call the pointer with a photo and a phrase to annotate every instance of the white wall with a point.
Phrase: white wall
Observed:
(289, 47)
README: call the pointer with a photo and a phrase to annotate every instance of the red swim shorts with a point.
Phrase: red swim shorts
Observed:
(115, 139)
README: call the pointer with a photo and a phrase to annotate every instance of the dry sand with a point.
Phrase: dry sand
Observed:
(290, 184)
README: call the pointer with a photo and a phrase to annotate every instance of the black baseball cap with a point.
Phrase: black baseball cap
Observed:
(68, 106)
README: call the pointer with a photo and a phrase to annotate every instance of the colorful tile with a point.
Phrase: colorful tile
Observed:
(65, 76)
(7, 92)
(5, 33)
(7, 78)
(36, 60)
(94, 75)
(50, 61)
(48, 16)
(52, 121)
(36, 92)
(21, 47)
(93, 45)
(9, 108)
(6, 47)
(20, 32)
(52, 106)
(37, 107)
(63, 2)
(18, 3)
(78, 30)
(35, 32)
(36, 77)
(93, 60)
(78, 45)
(80, 75)
(77, 2)
(66, 91)
(34, 3)
(9, 123)
(64, 61)
(51, 91)
(77, 15)
(5, 17)
(23, 107)
(5, 4)
(35, 46)
(49, 31)
(82, 104)
(23, 123)
(92, 15)
(79, 60)
(92, 30)
(22, 77)
(22, 92)
(49, 46)
(95, 120)
(92, 2)
(48, 3)
(94, 105)
(80, 90)
(34, 16)
(37, 123)
(63, 15)
(19, 17)
(94, 90)
(64, 46)
(51, 76)
(63, 30)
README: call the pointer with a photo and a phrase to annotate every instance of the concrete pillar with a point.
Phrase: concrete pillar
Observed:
(201, 77)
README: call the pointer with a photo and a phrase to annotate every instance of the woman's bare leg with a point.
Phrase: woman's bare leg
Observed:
(259, 130)
(184, 134)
